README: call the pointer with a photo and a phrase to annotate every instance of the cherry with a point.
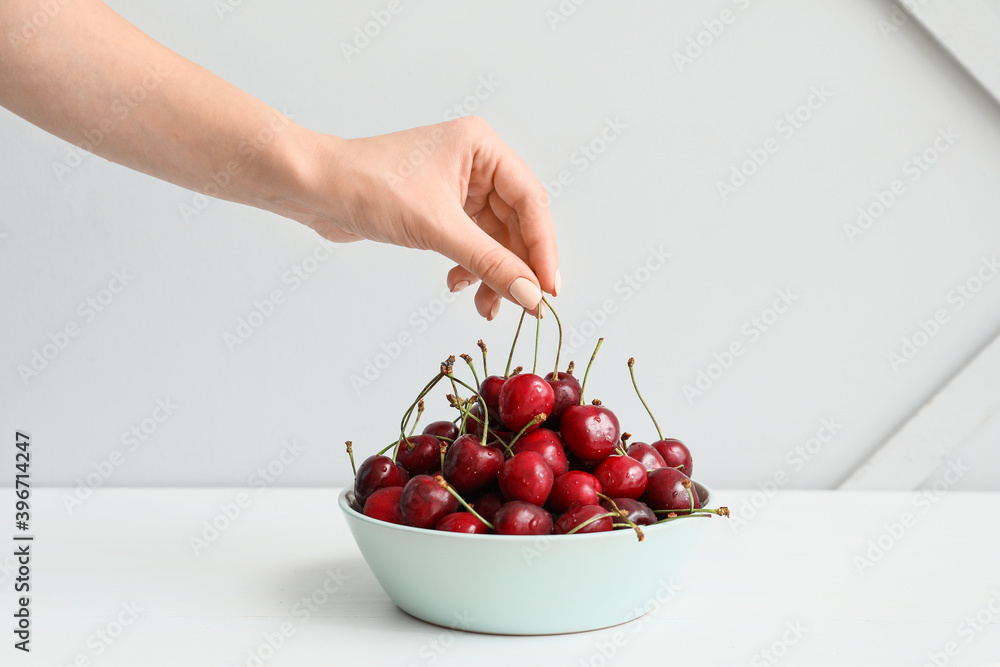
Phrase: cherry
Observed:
(489, 389)
(621, 476)
(590, 431)
(523, 398)
(442, 429)
(574, 488)
(377, 472)
(646, 455)
(526, 476)
(520, 518)
(548, 444)
(638, 512)
(384, 504)
(581, 513)
(487, 504)
(670, 489)
(576, 463)
(424, 502)
(462, 522)
(420, 454)
(471, 466)
(674, 453)
(566, 392)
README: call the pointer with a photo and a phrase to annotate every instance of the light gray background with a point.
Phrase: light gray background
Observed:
(655, 185)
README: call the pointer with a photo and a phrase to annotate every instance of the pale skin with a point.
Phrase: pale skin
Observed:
(454, 188)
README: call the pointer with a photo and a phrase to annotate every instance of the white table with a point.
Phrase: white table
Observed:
(786, 580)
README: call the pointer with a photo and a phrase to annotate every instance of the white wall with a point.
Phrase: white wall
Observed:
(654, 186)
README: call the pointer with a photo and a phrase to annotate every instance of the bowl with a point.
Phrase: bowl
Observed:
(525, 585)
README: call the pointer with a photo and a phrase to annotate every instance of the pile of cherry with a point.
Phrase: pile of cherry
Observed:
(526, 455)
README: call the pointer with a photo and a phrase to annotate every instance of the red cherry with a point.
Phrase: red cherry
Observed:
(638, 512)
(566, 392)
(520, 518)
(489, 389)
(548, 444)
(462, 522)
(442, 429)
(424, 502)
(526, 476)
(384, 504)
(574, 488)
(646, 455)
(377, 472)
(581, 513)
(590, 431)
(665, 490)
(523, 398)
(675, 453)
(621, 476)
(470, 466)
(487, 504)
(420, 454)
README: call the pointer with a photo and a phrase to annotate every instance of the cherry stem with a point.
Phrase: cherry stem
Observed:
(495, 435)
(482, 346)
(406, 415)
(350, 452)
(701, 511)
(622, 514)
(631, 372)
(420, 411)
(486, 413)
(555, 373)
(538, 333)
(472, 367)
(538, 419)
(517, 333)
(584, 524)
(587, 373)
(473, 512)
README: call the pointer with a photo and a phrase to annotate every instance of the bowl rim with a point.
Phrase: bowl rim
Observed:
(345, 506)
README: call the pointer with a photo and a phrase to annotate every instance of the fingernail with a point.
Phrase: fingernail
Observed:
(494, 310)
(558, 285)
(460, 285)
(525, 292)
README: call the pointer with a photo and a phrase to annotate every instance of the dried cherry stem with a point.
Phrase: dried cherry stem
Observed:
(517, 333)
(350, 452)
(569, 369)
(420, 412)
(461, 500)
(587, 373)
(534, 422)
(701, 511)
(516, 371)
(631, 372)
(443, 447)
(623, 515)
(538, 333)
(555, 373)
(482, 346)
(584, 524)
(472, 367)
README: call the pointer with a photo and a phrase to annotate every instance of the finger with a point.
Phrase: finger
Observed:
(487, 302)
(460, 278)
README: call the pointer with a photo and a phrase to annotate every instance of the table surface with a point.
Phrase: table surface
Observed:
(117, 581)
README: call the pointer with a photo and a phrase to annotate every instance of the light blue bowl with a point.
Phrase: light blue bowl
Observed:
(523, 585)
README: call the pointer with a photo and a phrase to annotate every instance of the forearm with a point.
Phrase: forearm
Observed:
(93, 79)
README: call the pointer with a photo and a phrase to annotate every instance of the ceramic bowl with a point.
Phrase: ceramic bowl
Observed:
(524, 585)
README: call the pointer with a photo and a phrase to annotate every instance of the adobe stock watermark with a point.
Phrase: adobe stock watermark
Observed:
(229, 512)
(581, 334)
(586, 155)
(41, 357)
(434, 648)
(912, 170)
(796, 459)
(780, 647)
(363, 34)
(606, 651)
(37, 21)
(99, 641)
(246, 152)
(485, 87)
(121, 108)
(897, 17)
(710, 32)
(301, 612)
(923, 502)
(911, 344)
(751, 331)
(392, 349)
(967, 631)
(131, 440)
(223, 8)
(786, 127)
(264, 309)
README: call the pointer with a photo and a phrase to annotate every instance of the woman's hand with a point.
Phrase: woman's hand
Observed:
(454, 188)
